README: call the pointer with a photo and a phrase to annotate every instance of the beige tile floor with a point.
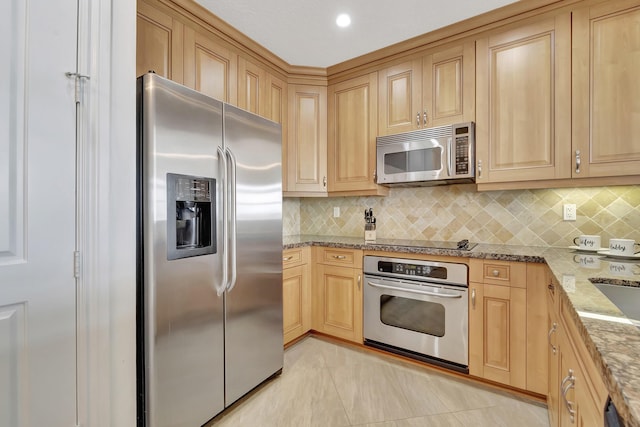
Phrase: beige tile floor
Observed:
(326, 384)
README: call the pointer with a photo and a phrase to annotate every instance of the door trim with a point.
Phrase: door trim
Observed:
(105, 226)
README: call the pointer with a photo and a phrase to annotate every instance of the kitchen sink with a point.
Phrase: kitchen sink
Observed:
(626, 298)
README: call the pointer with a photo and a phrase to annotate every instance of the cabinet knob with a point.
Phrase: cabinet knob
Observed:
(287, 258)
(424, 117)
(418, 119)
(479, 168)
(495, 273)
(324, 181)
(473, 298)
(339, 256)
(578, 161)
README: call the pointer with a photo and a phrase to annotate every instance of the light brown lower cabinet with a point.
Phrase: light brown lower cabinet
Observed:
(337, 293)
(507, 314)
(580, 390)
(296, 293)
(510, 303)
(577, 393)
(498, 333)
(553, 377)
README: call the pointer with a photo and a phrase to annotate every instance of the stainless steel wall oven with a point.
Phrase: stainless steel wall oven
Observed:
(418, 309)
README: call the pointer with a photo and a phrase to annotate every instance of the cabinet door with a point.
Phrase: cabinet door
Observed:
(209, 66)
(606, 89)
(553, 351)
(571, 377)
(497, 339)
(524, 102)
(537, 314)
(307, 139)
(296, 302)
(275, 100)
(400, 102)
(352, 135)
(276, 109)
(251, 87)
(158, 43)
(337, 300)
(449, 86)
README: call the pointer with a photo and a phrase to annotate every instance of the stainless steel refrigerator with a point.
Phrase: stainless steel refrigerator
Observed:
(209, 253)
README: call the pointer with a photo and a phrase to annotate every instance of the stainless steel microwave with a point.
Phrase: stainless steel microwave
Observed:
(438, 155)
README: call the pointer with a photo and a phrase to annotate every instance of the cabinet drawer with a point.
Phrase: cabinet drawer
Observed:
(341, 257)
(294, 257)
(499, 272)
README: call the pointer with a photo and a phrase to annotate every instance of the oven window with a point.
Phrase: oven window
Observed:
(415, 315)
(423, 160)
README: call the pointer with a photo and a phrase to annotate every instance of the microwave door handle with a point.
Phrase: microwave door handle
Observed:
(449, 158)
(414, 291)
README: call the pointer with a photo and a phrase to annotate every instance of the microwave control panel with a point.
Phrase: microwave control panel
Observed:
(462, 151)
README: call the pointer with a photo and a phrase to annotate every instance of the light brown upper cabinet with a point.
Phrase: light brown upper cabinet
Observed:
(158, 43)
(252, 80)
(210, 67)
(264, 94)
(430, 90)
(307, 141)
(261, 92)
(276, 100)
(352, 137)
(523, 109)
(276, 107)
(606, 89)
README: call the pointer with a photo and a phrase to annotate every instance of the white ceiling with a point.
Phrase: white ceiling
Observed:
(303, 32)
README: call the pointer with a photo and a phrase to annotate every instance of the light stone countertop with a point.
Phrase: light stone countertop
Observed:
(612, 341)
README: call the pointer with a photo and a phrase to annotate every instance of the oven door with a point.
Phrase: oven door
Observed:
(429, 319)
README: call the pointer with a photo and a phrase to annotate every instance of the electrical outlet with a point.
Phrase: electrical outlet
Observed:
(569, 212)
(336, 211)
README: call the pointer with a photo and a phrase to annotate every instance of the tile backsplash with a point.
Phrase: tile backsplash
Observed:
(455, 212)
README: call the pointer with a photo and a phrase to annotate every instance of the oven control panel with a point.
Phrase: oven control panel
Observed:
(418, 270)
(412, 269)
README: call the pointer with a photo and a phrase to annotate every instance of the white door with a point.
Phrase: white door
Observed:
(37, 213)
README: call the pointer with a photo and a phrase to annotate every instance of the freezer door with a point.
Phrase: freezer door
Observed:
(181, 317)
(253, 339)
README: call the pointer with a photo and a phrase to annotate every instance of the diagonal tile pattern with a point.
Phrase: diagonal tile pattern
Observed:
(455, 212)
(333, 385)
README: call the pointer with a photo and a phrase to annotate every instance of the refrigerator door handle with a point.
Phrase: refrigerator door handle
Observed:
(225, 240)
(232, 220)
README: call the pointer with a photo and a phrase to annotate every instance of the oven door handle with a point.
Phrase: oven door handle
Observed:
(413, 291)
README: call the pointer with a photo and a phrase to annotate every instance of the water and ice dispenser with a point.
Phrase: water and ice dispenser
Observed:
(191, 216)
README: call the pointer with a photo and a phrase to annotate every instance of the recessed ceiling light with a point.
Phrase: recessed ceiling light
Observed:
(343, 20)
